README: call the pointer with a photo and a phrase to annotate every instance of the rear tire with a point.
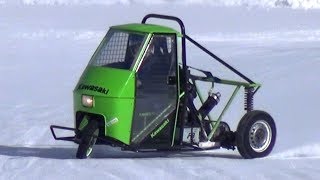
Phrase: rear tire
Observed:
(256, 134)
(88, 138)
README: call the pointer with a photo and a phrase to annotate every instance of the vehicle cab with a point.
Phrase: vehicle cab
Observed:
(130, 83)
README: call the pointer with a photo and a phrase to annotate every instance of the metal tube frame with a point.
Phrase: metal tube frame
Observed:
(68, 138)
(215, 123)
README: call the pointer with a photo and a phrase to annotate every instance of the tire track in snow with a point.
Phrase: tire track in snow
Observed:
(304, 152)
(26, 133)
(11, 169)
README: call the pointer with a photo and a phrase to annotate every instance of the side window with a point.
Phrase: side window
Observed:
(158, 64)
(119, 50)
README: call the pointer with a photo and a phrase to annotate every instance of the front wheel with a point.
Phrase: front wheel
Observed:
(256, 134)
(88, 138)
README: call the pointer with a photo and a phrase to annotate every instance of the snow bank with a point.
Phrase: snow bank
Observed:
(296, 4)
(60, 34)
(273, 36)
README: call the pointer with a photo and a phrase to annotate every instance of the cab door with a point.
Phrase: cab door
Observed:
(156, 92)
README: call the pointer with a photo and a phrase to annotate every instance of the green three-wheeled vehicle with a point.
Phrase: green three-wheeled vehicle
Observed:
(139, 93)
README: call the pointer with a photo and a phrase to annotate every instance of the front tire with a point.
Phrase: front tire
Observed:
(88, 138)
(256, 134)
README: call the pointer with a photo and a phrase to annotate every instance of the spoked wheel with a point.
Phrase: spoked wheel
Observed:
(256, 135)
(88, 139)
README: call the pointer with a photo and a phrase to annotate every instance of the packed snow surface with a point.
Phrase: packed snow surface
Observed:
(295, 4)
(46, 44)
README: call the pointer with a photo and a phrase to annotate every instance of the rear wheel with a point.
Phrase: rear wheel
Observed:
(88, 138)
(256, 135)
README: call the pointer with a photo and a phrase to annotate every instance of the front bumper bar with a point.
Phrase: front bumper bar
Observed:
(67, 138)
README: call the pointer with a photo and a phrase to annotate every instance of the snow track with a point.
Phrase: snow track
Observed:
(303, 152)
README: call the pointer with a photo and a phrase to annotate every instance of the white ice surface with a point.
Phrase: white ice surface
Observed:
(44, 50)
(295, 4)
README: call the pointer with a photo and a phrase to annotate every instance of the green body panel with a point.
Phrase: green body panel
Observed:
(116, 106)
(146, 28)
(119, 83)
(117, 113)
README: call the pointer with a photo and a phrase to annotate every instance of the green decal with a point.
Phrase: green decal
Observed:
(153, 134)
(111, 122)
(93, 88)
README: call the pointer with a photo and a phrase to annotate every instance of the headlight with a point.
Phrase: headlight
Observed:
(87, 101)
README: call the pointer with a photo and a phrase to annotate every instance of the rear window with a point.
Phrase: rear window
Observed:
(119, 49)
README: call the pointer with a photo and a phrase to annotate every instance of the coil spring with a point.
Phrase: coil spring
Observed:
(248, 98)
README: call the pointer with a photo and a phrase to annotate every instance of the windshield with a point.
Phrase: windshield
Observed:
(119, 49)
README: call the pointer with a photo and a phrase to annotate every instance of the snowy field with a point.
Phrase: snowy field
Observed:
(46, 44)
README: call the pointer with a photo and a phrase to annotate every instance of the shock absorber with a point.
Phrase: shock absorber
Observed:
(212, 100)
(248, 98)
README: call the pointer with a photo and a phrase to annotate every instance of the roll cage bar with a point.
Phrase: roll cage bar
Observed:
(185, 36)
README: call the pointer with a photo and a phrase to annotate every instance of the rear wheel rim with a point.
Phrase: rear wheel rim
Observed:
(260, 136)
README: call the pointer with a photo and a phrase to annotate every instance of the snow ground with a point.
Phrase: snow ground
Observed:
(295, 4)
(45, 48)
